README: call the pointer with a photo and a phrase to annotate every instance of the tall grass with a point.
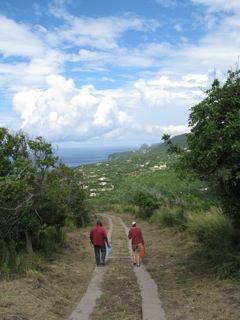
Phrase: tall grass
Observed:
(50, 240)
(119, 208)
(8, 255)
(11, 260)
(46, 244)
(218, 241)
(169, 216)
(212, 228)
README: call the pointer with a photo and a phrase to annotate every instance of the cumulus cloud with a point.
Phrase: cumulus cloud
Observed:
(64, 112)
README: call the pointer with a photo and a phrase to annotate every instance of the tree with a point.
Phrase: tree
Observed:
(146, 201)
(36, 189)
(213, 151)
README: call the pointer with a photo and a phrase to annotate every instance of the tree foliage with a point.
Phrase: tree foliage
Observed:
(213, 151)
(146, 201)
(36, 190)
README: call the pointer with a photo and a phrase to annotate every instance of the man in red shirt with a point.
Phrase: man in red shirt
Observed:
(98, 237)
(135, 234)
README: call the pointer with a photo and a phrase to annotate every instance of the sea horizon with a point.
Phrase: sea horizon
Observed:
(75, 156)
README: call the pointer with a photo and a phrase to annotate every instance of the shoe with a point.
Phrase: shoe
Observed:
(134, 263)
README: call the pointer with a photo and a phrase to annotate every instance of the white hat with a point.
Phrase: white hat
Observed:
(134, 223)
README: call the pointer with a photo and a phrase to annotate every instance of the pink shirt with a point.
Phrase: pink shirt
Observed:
(98, 235)
(136, 235)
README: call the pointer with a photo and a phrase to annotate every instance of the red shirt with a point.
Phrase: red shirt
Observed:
(98, 235)
(136, 235)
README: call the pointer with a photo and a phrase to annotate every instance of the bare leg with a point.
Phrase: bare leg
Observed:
(134, 257)
(138, 258)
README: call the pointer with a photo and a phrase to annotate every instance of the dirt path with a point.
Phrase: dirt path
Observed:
(150, 307)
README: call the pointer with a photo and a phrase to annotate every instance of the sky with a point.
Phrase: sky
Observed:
(111, 72)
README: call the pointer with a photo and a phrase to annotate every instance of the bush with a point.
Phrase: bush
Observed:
(8, 255)
(116, 208)
(26, 262)
(131, 209)
(168, 217)
(147, 203)
(50, 239)
(229, 266)
(212, 228)
(191, 203)
(18, 262)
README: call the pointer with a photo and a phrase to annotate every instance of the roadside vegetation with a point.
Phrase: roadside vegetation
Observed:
(39, 196)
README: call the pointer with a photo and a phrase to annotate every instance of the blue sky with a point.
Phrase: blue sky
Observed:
(111, 72)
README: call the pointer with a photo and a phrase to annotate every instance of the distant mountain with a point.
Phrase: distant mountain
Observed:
(180, 140)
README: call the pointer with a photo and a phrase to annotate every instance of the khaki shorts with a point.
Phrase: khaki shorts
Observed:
(137, 247)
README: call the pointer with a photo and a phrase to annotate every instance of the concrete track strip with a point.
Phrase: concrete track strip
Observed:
(151, 304)
(88, 302)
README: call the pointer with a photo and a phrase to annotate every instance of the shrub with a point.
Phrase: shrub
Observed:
(229, 266)
(147, 203)
(170, 217)
(18, 262)
(26, 262)
(116, 208)
(131, 209)
(8, 254)
(212, 228)
(191, 203)
(50, 239)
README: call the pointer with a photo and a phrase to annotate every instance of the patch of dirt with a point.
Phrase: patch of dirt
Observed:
(186, 288)
(54, 293)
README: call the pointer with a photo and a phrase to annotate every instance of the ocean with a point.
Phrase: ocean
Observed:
(73, 157)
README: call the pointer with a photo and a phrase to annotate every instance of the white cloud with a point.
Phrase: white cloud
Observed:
(166, 3)
(178, 27)
(100, 33)
(64, 112)
(219, 5)
(156, 130)
(18, 40)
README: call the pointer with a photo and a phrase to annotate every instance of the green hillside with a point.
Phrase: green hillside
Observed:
(180, 140)
(148, 169)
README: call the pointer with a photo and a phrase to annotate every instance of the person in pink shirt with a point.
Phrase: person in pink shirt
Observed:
(135, 234)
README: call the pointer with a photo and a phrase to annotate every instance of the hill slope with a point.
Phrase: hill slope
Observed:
(180, 140)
